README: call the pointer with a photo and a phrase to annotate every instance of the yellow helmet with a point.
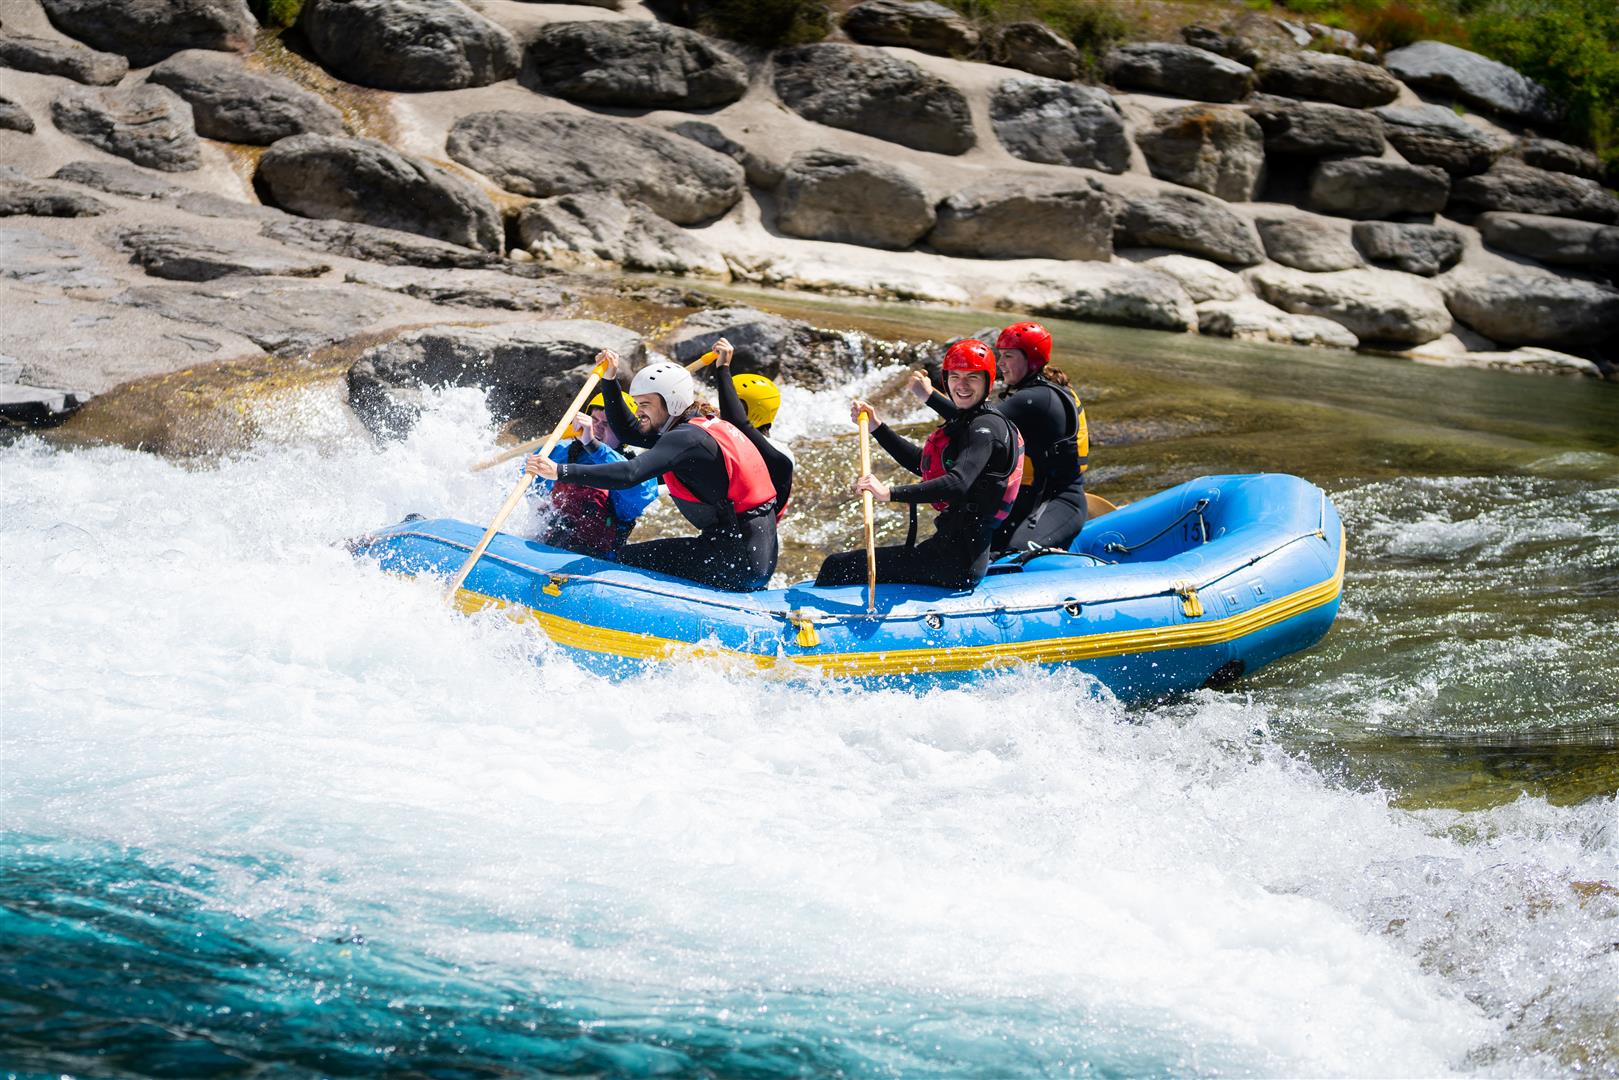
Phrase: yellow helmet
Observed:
(761, 397)
(598, 402)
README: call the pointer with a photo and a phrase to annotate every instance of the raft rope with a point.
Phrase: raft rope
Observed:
(1202, 530)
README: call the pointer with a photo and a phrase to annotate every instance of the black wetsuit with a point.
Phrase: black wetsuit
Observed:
(732, 551)
(735, 413)
(1050, 507)
(956, 556)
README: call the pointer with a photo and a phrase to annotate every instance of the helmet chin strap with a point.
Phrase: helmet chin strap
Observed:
(674, 419)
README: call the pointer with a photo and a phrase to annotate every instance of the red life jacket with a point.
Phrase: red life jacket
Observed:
(583, 519)
(749, 481)
(934, 466)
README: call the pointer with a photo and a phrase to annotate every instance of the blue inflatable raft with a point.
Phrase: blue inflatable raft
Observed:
(1191, 587)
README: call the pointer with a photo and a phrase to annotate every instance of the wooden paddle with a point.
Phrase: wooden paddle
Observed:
(522, 448)
(1096, 506)
(867, 507)
(523, 482)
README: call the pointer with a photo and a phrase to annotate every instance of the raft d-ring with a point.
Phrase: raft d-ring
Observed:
(553, 585)
(934, 620)
(808, 636)
(1190, 604)
(1072, 607)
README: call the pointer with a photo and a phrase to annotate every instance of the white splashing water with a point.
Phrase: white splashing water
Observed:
(195, 670)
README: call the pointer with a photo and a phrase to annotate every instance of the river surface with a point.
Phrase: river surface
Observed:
(267, 812)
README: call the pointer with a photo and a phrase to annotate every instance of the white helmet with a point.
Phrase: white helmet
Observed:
(669, 381)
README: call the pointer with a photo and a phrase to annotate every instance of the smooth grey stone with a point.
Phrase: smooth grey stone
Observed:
(1057, 123)
(1474, 79)
(826, 195)
(1415, 249)
(633, 64)
(149, 125)
(1181, 70)
(408, 45)
(45, 57)
(1023, 219)
(858, 88)
(235, 105)
(1328, 77)
(147, 31)
(1374, 188)
(166, 251)
(913, 24)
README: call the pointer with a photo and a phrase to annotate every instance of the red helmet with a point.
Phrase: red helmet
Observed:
(971, 355)
(1032, 338)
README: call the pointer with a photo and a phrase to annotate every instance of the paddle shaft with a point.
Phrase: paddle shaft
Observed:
(866, 508)
(522, 448)
(524, 481)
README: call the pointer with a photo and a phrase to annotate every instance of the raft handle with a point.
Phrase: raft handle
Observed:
(553, 584)
(1190, 604)
(808, 636)
(934, 620)
(1072, 607)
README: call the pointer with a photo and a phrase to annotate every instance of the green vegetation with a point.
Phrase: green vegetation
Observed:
(276, 12)
(1094, 26)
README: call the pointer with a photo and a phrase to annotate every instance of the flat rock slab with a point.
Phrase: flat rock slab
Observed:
(1202, 280)
(278, 318)
(1217, 150)
(147, 31)
(633, 65)
(1058, 123)
(22, 197)
(1307, 242)
(178, 254)
(30, 256)
(1377, 306)
(1533, 308)
(361, 180)
(1377, 188)
(37, 406)
(1033, 47)
(1432, 135)
(1327, 77)
(849, 199)
(149, 125)
(14, 117)
(1122, 295)
(1414, 249)
(487, 289)
(603, 229)
(1316, 128)
(1181, 70)
(1188, 221)
(545, 154)
(913, 24)
(1513, 186)
(1474, 79)
(372, 244)
(118, 179)
(1026, 219)
(235, 105)
(1555, 156)
(1554, 240)
(45, 57)
(1251, 319)
(408, 45)
(863, 89)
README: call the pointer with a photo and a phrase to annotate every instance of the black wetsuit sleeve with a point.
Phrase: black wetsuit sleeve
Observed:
(619, 417)
(901, 449)
(678, 447)
(942, 405)
(973, 450)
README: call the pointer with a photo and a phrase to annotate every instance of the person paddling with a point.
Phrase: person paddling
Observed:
(716, 477)
(971, 468)
(749, 403)
(1050, 509)
(587, 520)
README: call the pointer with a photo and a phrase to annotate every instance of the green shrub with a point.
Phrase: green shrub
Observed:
(276, 12)
(1094, 26)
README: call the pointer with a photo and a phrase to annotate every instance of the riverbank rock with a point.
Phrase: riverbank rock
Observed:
(1327, 77)
(29, 256)
(1033, 47)
(1307, 242)
(1514, 186)
(1316, 128)
(1057, 123)
(23, 197)
(912, 24)
(1377, 188)
(825, 195)
(1554, 156)
(1022, 219)
(601, 227)
(1188, 221)
(1231, 45)
(1377, 306)
(525, 367)
(147, 31)
(863, 89)
(14, 117)
(1202, 280)
(408, 44)
(1431, 135)
(235, 105)
(36, 406)
(1415, 249)
(116, 178)
(1181, 70)
(149, 125)
(1527, 360)
(1217, 150)
(489, 289)
(633, 65)
(760, 171)
(166, 251)
(282, 317)
(43, 57)
(1474, 79)
(1251, 319)
(371, 243)
(324, 176)
(545, 154)
(1124, 295)
(1533, 308)
(775, 347)
(1560, 241)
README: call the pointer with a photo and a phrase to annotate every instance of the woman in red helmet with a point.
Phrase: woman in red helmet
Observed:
(970, 468)
(1050, 508)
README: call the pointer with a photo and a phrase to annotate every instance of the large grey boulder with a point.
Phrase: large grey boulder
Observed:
(1058, 123)
(1251, 319)
(1554, 156)
(1327, 77)
(23, 197)
(826, 195)
(1316, 128)
(545, 154)
(1512, 185)
(1533, 308)
(146, 31)
(235, 105)
(1415, 249)
(1377, 306)
(1375, 188)
(1188, 221)
(325, 176)
(525, 367)
(280, 317)
(913, 24)
(1432, 135)
(1217, 150)
(1202, 280)
(74, 62)
(1474, 79)
(1123, 295)
(1307, 242)
(149, 125)
(1181, 70)
(408, 44)
(371, 243)
(1033, 47)
(602, 228)
(1023, 219)
(1235, 46)
(634, 65)
(14, 117)
(761, 171)
(1555, 240)
(864, 89)
(166, 251)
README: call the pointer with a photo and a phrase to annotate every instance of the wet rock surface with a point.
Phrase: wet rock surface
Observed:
(775, 347)
(633, 64)
(234, 105)
(1057, 123)
(866, 90)
(149, 125)
(409, 45)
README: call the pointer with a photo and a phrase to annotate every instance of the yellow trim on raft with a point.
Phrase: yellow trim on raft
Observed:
(910, 661)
